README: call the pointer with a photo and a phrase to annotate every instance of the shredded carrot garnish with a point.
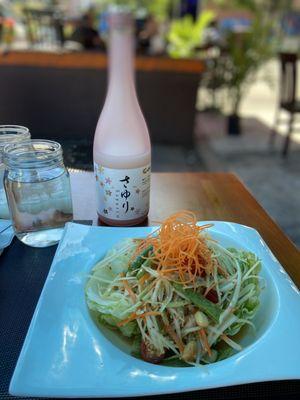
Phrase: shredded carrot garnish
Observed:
(134, 316)
(204, 341)
(174, 336)
(143, 279)
(129, 290)
(180, 252)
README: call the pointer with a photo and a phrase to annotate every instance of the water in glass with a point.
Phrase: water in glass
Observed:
(39, 194)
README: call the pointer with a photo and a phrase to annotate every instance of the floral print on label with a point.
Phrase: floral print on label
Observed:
(122, 193)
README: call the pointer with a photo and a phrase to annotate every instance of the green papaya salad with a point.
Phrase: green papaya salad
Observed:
(178, 294)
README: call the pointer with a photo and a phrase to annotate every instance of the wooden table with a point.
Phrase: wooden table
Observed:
(220, 196)
(211, 196)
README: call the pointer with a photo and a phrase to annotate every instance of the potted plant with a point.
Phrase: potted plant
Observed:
(244, 54)
(247, 51)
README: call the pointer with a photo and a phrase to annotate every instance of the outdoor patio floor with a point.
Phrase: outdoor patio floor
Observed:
(274, 181)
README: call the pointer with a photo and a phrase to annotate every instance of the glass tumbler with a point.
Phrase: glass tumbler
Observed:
(38, 191)
(9, 134)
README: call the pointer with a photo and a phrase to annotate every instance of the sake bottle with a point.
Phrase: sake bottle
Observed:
(122, 149)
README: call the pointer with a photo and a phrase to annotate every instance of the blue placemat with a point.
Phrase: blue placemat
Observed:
(23, 271)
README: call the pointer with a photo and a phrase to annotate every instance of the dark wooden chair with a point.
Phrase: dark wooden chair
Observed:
(287, 100)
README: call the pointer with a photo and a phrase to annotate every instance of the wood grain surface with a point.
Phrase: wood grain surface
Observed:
(211, 196)
(92, 60)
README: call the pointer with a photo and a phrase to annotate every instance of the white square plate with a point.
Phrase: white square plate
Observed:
(66, 355)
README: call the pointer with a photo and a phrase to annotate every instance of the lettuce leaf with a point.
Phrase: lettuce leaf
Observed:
(128, 330)
(110, 305)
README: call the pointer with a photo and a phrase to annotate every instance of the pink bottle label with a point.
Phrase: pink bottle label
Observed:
(122, 194)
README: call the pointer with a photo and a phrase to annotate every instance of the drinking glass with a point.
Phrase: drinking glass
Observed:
(38, 191)
(9, 134)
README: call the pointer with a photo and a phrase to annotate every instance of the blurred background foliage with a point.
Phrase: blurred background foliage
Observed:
(159, 8)
(185, 34)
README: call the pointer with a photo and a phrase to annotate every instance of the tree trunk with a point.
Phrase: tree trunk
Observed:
(233, 125)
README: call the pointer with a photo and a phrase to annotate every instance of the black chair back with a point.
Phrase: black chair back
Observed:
(288, 79)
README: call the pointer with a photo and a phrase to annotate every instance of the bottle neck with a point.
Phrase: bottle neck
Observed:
(121, 63)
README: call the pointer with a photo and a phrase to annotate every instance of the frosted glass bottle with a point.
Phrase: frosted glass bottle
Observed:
(122, 150)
